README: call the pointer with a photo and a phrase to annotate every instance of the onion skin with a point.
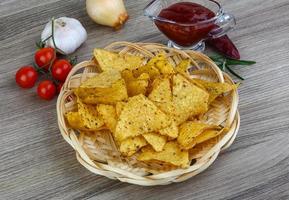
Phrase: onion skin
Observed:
(107, 12)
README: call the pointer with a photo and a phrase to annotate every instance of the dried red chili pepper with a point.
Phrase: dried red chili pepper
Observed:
(225, 46)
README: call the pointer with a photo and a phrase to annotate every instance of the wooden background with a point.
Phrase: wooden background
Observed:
(36, 163)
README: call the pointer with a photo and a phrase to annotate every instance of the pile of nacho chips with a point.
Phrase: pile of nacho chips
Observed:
(150, 108)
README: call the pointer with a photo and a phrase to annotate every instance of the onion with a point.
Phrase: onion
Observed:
(107, 12)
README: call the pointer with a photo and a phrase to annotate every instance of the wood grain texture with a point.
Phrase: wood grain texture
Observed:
(36, 163)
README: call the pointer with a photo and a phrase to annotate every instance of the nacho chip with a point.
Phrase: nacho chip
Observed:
(161, 91)
(183, 67)
(188, 99)
(201, 149)
(74, 121)
(171, 131)
(117, 92)
(214, 89)
(207, 135)
(152, 71)
(188, 133)
(127, 75)
(162, 64)
(113, 61)
(139, 116)
(155, 140)
(171, 154)
(108, 114)
(130, 146)
(134, 85)
(144, 76)
(118, 107)
(89, 116)
(102, 80)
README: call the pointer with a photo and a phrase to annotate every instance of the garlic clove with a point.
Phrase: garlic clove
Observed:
(69, 34)
(107, 12)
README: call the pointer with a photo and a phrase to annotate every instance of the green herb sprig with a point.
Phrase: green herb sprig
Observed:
(225, 64)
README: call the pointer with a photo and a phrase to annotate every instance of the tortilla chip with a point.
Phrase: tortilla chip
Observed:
(152, 71)
(139, 116)
(207, 135)
(188, 133)
(117, 92)
(144, 76)
(89, 116)
(118, 107)
(102, 80)
(134, 85)
(155, 140)
(108, 114)
(214, 89)
(74, 121)
(201, 149)
(188, 99)
(162, 64)
(113, 61)
(161, 91)
(171, 154)
(183, 67)
(130, 146)
(172, 131)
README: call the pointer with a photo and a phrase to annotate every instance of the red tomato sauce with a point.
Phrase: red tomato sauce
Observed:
(187, 30)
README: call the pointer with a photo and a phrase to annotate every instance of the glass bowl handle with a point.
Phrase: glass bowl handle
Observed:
(224, 24)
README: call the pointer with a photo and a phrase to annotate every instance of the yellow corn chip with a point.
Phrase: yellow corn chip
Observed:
(171, 131)
(155, 140)
(189, 131)
(89, 116)
(117, 92)
(130, 146)
(144, 76)
(171, 154)
(139, 116)
(74, 120)
(161, 91)
(118, 107)
(207, 135)
(214, 89)
(188, 99)
(162, 64)
(134, 85)
(108, 114)
(183, 66)
(150, 70)
(102, 80)
(113, 61)
(202, 148)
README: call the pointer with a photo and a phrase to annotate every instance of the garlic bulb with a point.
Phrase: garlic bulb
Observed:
(107, 12)
(69, 34)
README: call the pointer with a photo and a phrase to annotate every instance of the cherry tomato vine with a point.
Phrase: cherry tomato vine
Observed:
(47, 63)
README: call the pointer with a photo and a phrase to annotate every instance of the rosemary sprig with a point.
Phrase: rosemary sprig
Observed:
(225, 64)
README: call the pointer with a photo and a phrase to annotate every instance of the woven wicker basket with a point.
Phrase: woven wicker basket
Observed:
(99, 154)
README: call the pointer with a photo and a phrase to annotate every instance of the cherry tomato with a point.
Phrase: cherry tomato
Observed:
(59, 86)
(60, 69)
(43, 57)
(26, 77)
(46, 90)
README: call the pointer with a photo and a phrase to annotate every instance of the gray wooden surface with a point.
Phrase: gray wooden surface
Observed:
(36, 163)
